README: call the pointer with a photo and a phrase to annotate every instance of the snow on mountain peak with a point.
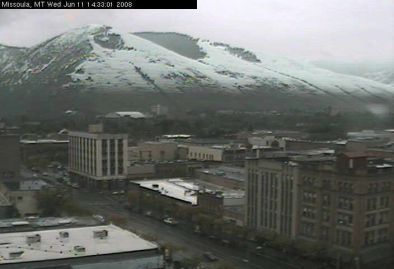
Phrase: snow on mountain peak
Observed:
(106, 58)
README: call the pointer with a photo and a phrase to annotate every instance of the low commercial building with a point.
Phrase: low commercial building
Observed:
(229, 204)
(172, 189)
(154, 151)
(22, 194)
(218, 200)
(165, 169)
(141, 170)
(49, 148)
(217, 153)
(100, 247)
(268, 141)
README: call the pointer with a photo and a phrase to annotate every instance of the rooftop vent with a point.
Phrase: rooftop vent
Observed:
(64, 234)
(16, 254)
(79, 249)
(100, 234)
(31, 239)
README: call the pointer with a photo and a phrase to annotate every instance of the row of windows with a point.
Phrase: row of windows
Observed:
(345, 203)
(379, 187)
(200, 155)
(345, 187)
(377, 203)
(376, 237)
(377, 218)
(345, 219)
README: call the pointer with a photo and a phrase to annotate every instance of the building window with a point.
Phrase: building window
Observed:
(369, 238)
(326, 199)
(383, 235)
(325, 215)
(326, 184)
(370, 220)
(309, 212)
(104, 146)
(344, 219)
(371, 203)
(343, 238)
(308, 229)
(345, 203)
(309, 181)
(373, 187)
(324, 233)
(383, 217)
(384, 202)
(309, 197)
(345, 187)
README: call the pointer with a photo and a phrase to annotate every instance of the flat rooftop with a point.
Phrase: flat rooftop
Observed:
(43, 141)
(234, 173)
(176, 188)
(187, 190)
(69, 243)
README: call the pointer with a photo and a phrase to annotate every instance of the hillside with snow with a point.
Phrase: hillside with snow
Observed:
(101, 59)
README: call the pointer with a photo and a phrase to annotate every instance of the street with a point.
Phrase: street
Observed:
(191, 245)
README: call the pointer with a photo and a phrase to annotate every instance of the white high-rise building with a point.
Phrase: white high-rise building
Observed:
(97, 160)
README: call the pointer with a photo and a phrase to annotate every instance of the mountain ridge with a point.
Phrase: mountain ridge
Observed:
(98, 58)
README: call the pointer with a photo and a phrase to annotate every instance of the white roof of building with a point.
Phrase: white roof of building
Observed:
(43, 141)
(129, 114)
(174, 187)
(54, 247)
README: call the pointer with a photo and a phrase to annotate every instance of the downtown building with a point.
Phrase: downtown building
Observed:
(97, 159)
(60, 246)
(9, 158)
(343, 203)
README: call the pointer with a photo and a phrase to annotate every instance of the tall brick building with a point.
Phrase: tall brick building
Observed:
(344, 202)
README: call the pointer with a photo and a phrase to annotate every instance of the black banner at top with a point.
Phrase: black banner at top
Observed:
(90, 4)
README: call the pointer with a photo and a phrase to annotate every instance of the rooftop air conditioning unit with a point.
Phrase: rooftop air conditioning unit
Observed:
(16, 254)
(31, 239)
(64, 234)
(100, 234)
(79, 249)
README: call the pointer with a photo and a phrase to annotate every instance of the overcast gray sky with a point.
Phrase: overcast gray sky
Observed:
(340, 30)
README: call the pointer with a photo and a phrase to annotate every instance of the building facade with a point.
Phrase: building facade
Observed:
(9, 157)
(343, 203)
(271, 195)
(221, 153)
(154, 151)
(97, 160)
(100, 247)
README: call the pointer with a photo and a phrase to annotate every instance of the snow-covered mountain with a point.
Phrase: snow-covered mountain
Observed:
(385, 76)
(101, 58)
